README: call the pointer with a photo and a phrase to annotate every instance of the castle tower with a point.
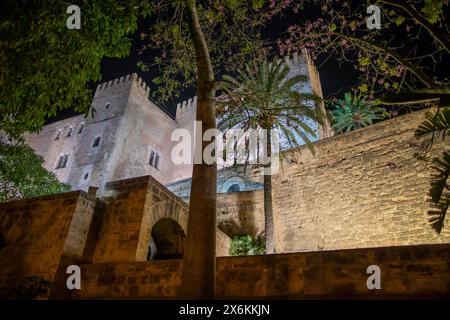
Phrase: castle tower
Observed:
(125, 135)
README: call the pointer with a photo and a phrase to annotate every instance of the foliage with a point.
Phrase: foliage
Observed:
(353, 112)
(437, 127)
(390, 59)
(432, 10)
(232, 30)
(45, 67)
(31, 288)
(263, 96)
(247, 246)
(439, 192)
(22, 174)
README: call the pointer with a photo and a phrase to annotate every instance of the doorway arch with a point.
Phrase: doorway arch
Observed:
(167, 240)
(159, 221)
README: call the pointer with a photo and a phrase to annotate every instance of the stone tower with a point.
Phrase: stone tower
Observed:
(125, 135)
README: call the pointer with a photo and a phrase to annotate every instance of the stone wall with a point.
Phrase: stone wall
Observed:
(45, 235)
(361, 189)
(410, 271)
(39, 232)
(241, 213)
(134, 207)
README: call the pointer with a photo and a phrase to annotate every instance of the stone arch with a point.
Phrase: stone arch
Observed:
(167, 240)
(234, 183)
(160, 211)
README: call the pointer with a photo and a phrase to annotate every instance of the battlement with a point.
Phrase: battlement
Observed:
(125, 79)
(294, 59)
(186, 106)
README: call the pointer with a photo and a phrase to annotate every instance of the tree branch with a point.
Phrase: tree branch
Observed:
(417, 72)
(434, 32)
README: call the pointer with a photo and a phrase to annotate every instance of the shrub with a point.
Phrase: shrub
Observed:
(247, 246)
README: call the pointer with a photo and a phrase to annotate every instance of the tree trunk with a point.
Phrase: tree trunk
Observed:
(199, 260)
(268, 213)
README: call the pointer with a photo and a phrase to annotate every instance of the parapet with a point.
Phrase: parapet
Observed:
(125, 79)
(294, 59)
(186, 106)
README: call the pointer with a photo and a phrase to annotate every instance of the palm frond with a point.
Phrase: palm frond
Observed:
(439, 194)
(436, 124)
(264, 95)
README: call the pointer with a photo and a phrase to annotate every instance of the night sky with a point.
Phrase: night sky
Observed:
(336, 78)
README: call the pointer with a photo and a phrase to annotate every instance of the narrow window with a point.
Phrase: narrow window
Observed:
(107, 105)
(58, 133)
(86, 175)
(96, 142)
(80, 130)
(62, 161)
(69, 132)
(154, 159)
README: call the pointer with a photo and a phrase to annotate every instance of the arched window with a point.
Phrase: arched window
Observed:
(233, 184)
(234, 188)
(69, 132)
(58, 133)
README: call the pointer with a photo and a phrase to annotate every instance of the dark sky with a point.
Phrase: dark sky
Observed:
(335, 78)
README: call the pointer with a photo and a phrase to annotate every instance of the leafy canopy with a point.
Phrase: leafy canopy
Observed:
(45, 67)
(23, 176)
(232, 30)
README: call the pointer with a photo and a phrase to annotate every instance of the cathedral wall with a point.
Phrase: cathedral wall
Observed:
(361, 189)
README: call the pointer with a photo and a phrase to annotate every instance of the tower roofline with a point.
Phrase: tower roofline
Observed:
(127, 78)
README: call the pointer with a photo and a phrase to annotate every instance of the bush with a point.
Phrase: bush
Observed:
(247, 246)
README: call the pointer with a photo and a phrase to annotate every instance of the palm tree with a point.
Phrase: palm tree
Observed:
(353, 112)
(263, 97)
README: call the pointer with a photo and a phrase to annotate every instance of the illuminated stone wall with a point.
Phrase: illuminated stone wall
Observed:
(361, 189)
(411, 271)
